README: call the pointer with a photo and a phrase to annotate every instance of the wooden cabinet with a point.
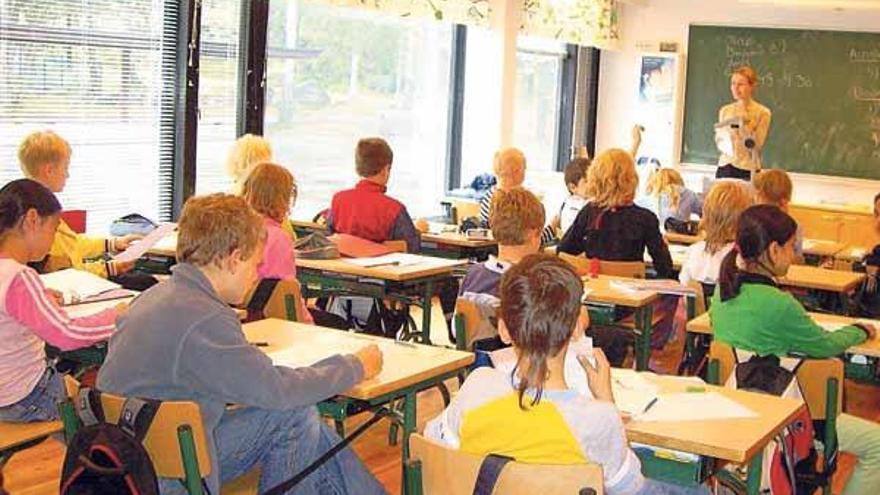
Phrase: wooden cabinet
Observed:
(850, 226)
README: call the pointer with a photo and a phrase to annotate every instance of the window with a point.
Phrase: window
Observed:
(336, 75)
(218, 93)
(101, 74)
(482, 104)
(538, 96)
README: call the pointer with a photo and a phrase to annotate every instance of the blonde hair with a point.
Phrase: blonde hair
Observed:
(39, 148)
(247, 151)
(270, 189)
(774, 186)
(212, 227)
(721, 211)
(507, 164)
(665, 181)
(514, 212)
(612, 179)
(748, 72)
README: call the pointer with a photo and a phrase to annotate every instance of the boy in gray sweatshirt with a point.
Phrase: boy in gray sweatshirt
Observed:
(181, 341)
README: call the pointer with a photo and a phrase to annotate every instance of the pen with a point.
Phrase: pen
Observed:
(260, 344)
(650, 404)
(390, 263)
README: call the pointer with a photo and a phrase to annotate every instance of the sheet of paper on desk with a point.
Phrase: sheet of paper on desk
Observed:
(393, 259)
(632, 391)
(699, 406)
(662, 286)
(77, 285)
(80, 310)
(137, 249)
(300, 356)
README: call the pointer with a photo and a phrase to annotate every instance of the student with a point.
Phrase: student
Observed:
(751, 313)
(754, 125)
(667, 197)
(270, 190)
(724, 204)
(181, 341)
(247, 151)
(45, 157)
(870, 305)
(30, 316)
(575, 176)
(774, 187)
(611, 227)
(532, 414)
(509, 166)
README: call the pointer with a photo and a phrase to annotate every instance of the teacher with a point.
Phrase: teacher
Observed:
(749, 122)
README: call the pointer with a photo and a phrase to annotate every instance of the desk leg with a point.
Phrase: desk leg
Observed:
(427, 298)
(753, 479)
(409, 426)
(643, 319)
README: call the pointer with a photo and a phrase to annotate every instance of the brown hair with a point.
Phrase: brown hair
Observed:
(372, 155)
(575, 171)
(540, 304)
(39, 148)
(212, 227)
(748, 72)
(613, 179)
(270, 189)
(513, 214)
(721, 211)
(774, 186)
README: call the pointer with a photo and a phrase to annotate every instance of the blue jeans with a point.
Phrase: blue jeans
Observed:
(654, 487)
(39, 405)
(282, 443)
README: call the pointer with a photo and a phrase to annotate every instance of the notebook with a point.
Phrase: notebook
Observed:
(78, 286)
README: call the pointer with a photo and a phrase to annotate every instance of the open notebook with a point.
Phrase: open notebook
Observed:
(79, 286)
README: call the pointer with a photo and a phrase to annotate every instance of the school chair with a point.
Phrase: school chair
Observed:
(437, 469)
(628, 269)
(274, 298)
(694, 359)
(819, 381)
(75, 219)
(15, 437)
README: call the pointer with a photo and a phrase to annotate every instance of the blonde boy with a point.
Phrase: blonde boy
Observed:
(774, 187)
(45, 157)
(181, 341)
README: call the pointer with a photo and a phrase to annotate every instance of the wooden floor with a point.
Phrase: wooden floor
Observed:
(36, 471)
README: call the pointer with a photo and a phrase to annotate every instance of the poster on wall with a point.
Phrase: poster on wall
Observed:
(659, 104)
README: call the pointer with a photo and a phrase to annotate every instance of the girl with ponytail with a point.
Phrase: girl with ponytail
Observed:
(30, 317)
(751, 313)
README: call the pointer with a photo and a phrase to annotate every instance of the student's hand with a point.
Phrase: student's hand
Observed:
(871, 329)
(56, 296)
(122, 243)
(636, 135)
(827, 263)
(556, 222)
(871, 282)
(371, 360)
(121, 309)
(598, 376)
(123, 266)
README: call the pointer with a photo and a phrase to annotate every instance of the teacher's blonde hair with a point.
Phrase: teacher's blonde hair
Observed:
(612, 179)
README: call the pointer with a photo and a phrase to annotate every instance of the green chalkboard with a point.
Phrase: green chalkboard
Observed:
(823, 88)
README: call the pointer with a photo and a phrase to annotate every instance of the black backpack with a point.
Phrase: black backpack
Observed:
(106, 458)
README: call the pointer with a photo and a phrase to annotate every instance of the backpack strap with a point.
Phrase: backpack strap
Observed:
(490, 471)
(88, 406)
(261, 297)
(137, 416)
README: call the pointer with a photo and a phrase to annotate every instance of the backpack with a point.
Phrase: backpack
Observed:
(133, 223)
(110, 458)
(370, 315)
(790, 460)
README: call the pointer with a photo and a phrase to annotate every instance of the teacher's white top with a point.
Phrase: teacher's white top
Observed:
(756, 123)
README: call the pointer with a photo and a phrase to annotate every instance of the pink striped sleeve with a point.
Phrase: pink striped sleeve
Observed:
(27, 303)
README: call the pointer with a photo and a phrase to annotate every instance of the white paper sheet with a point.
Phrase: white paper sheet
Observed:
(137, 249)
(632, 391)
(392, 259)
(77, 285)
(697, 406)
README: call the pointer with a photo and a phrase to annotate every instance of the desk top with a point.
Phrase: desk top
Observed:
(676, 238)
(734, 440)
(678, 252)
(431, 266)
(601, 291)
(821, 247)
(405, 364)
(813, 277)
(702, 324)
(854, 253)
(457, 239)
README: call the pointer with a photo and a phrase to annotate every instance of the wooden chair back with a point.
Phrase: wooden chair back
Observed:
(283, 303)
(453, 472)
(700, 305)
(398, 246)
(470, 324)
(628, 269)
(161, 442)
(18, 435)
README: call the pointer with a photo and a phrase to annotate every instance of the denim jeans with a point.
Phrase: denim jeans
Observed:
(654, 487)
(282, 443)
(39, 405)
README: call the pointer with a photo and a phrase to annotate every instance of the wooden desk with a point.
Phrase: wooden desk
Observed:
(678, 252)
(600, 290)
(843, 283)
(822, 248)
(456, 245)
(388, 282)
(407, 369)
(732, 440)
(676, 238)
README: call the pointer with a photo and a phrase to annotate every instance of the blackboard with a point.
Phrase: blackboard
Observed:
(823, 88)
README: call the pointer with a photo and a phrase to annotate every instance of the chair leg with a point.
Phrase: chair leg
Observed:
(193, 479)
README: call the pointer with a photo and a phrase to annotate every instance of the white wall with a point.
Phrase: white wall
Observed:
(668, 20)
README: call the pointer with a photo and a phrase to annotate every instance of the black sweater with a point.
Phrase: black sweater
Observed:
(618, 234)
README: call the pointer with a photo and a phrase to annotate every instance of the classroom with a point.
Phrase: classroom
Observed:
(439, 247)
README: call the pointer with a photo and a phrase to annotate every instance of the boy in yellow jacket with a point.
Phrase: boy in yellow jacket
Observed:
(45, 157)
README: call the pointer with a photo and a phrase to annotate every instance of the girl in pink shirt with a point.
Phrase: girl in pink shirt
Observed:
(270, 189)
(30, 315)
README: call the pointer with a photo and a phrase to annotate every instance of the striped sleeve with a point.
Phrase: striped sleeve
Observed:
(28, 303)
(486, 205)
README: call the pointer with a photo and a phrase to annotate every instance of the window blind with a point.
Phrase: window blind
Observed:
(101, 73)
